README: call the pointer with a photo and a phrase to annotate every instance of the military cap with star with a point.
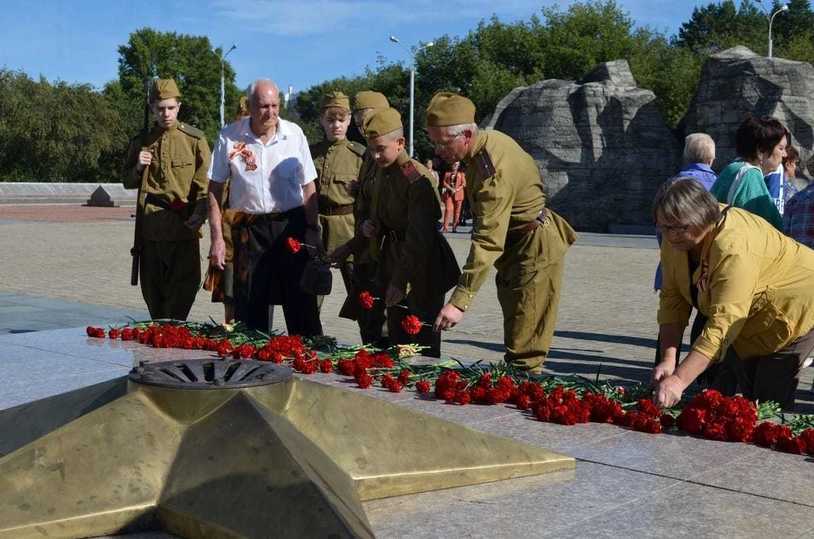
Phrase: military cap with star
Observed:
(383, 122)
(164, 89)
(367, 99)
(447, 108)
(335, 100)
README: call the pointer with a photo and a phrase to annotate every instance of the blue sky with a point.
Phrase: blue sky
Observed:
(295, 42)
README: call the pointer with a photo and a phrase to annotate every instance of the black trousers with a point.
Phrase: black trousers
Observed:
(267, 273)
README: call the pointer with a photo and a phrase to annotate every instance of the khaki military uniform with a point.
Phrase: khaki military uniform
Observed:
(337, 165)
(415, 257)
(525, 241)
(175, 181)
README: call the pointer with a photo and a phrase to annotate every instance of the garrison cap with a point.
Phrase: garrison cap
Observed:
(383, 122)
(336, 99)
(446, 109)
(164, 89)
(367, 99)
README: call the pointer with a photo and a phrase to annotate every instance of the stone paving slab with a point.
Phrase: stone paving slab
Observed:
(625, 484)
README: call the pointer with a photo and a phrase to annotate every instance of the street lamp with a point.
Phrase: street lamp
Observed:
(223, 85)
(771, 20)
(394, 39)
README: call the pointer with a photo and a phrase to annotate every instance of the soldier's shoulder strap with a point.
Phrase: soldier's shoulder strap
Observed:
(410, 171)
(357, 148)
(483, 161)
(191, 131)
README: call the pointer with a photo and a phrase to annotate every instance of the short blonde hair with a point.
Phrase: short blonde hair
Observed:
(699, 148)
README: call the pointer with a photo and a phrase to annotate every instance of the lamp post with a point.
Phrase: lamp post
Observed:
(395, 40)
(771, 20)
(223, 85)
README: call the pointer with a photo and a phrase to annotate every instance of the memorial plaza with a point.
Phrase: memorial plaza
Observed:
(67, 267)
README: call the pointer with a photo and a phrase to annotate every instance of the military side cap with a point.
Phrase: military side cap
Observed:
(446, 108)
(335, 99)
(382, 122)
(367, 99)
(165, 89)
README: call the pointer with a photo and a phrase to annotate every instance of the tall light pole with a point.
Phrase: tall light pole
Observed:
(223, 85)
(394, 39)
(771, 20)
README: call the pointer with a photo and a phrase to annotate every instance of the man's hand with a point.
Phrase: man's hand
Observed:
(668, 391)
(449, 316)
(664, 369)
(144, 159)
(313, 236)
(370, 229)
(198, 216)
(393, 295)
(217, 253)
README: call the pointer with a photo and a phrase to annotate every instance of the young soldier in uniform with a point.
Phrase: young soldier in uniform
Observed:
(337, 161)
(371, 322)
(169, 164)
(512, 229)
(417, 266)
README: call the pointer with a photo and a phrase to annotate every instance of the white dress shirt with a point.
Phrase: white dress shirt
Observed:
(283, 166)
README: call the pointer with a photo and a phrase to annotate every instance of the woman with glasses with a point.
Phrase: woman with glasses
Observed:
(754, 285)
(761, 147)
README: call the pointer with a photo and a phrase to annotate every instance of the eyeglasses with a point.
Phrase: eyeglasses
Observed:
(664, 229)
(446, 144)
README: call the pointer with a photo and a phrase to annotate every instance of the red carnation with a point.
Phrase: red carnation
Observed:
(789, 443)
(114, 333)
(422, 386)
(404, 377)
(364, 381)
(740, 430)
(293, 245)
(716, 431)
(462, 397)
(766, 434)
(649, 408)
(692, 420)
(366, 300)
(411, 324)
(523, 402)
(807, 436)
(382, 360)
(347, 367)
(326, 366)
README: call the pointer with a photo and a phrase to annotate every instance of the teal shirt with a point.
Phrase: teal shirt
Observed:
(752, 195)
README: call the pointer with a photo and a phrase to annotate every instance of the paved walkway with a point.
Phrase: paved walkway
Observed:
(75, 269)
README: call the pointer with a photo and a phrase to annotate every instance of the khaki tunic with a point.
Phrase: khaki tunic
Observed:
(756, 288)
(415, 258)
(337, 164)
(505, 192)
(170, 267)
(365, 205)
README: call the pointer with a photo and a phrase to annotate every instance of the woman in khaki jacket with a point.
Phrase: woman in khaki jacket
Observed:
(754, 285)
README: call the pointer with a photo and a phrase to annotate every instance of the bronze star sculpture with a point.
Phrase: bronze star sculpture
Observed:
(207, 448)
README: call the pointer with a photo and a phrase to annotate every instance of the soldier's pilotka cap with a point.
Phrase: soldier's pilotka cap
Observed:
(446, 109)
(383, 122)
(336, 100)
(164, 89)
(367, 99)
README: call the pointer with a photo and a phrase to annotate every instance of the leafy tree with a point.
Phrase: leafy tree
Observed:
(56, 132)
(190, 60)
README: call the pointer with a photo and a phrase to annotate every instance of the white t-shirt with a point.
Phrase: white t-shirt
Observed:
(280, 167)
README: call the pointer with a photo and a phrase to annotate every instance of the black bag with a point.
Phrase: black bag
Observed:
(316, 277)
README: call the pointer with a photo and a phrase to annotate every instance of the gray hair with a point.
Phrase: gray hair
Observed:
(684, 200)
(455, 130)
(250, 91)
(699, 148)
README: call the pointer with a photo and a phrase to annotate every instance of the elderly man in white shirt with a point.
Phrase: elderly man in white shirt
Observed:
(273, 190)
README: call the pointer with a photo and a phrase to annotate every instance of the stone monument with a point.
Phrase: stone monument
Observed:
(736, 82)
(601, 144)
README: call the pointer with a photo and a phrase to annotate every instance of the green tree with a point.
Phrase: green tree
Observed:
(191, 61)
(56, 132)
(716, 27)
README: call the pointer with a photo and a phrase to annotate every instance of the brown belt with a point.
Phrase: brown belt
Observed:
(336, 210)
(518, 232)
